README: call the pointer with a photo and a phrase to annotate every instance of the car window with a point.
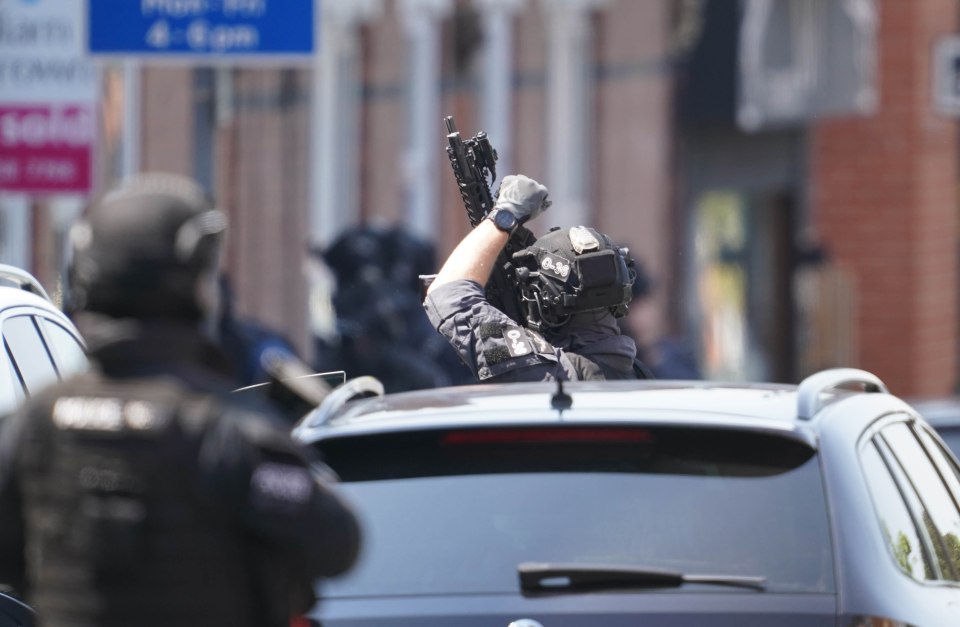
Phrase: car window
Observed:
(943, 459)
(459, 516)
(68, 352)
(30, 355)
(897, 526)
(951, 436)
(939, 515)
(18, 390)
(11, 391)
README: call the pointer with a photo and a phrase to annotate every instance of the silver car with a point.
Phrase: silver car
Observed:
(832, 503)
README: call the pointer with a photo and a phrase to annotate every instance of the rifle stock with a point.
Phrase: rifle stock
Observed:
(473, 162)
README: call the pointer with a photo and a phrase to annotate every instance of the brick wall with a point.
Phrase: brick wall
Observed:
(264, 160)
(632, 149)
(166, 104)
(884, 196)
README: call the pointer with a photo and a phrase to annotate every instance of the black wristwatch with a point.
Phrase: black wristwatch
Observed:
(504, 220)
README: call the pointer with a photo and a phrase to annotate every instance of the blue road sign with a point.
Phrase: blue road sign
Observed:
(201, 28)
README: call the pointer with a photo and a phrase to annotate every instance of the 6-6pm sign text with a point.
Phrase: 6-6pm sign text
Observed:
(202, 28)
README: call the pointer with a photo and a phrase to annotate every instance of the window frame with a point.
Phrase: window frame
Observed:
(41, 321)
(871, 440)
(18, 363)
(872, 436)
(942, 457)
(36, 314)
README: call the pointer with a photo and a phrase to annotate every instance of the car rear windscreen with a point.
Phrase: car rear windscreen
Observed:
(455, 512)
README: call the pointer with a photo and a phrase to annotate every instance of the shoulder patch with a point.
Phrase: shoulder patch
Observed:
(539, 344)
(507, 346)
(518, 342)
(487, 330)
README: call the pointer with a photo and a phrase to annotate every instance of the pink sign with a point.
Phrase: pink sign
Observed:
(46, 148)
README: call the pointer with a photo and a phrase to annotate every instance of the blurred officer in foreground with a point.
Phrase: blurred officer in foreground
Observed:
(141, 492)
(574, 282)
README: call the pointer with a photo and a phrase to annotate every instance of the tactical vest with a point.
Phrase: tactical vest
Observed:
(129, 518)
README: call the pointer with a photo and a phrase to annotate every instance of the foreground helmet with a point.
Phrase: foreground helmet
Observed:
(570, 271)
(139, 250)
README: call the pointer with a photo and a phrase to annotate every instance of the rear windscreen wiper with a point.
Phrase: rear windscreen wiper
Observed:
(553, 577)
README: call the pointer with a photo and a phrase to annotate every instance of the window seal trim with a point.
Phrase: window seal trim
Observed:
(886, 451)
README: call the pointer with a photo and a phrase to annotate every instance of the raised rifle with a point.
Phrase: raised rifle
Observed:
(474, 164)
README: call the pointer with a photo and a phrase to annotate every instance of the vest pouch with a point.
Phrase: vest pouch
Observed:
(114, 528)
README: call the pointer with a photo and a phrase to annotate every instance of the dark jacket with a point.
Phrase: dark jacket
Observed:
(497, 349)
(143, 493)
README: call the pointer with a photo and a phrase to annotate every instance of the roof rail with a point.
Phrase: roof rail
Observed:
(24, 280)
(811, 389)
(354, 388)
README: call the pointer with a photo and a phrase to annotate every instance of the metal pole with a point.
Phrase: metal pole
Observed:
(421, 21)
(569, 114)
(131, 118)
(335, 119)
(497, 21)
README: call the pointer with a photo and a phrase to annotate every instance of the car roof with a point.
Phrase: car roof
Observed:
(756, 407)
(16, 297)
(609, 397)
(19, 288)
(12, 296)
(790, 410)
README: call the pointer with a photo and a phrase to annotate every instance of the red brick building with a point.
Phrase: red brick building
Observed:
(884, 197)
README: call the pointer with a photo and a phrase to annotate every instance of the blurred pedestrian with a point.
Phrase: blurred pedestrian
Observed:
(142, 492)
(381, 329)
(574, 282)
(247, 342)
(667, 356)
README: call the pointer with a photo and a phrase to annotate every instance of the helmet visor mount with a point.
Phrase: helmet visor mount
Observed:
(603, 276)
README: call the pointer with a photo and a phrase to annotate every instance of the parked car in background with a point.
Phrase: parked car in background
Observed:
(41, 343)
(944, 415)
(656, 503)
(41, 346)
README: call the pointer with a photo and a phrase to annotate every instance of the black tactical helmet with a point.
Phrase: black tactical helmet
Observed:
(140, 249)
(370, 254)
(569, 271)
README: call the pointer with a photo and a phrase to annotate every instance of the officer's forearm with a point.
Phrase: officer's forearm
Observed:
(474, 256)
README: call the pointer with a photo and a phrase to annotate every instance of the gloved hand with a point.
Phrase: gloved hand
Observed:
(522, 196)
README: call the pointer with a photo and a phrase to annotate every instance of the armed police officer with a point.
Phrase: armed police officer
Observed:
(141, 492)
(573, 283)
